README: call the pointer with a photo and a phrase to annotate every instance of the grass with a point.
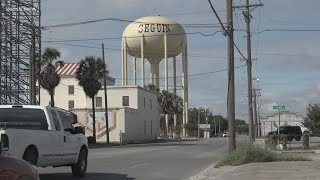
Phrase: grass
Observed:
(249, 153)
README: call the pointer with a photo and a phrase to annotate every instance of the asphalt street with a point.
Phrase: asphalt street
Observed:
(155, 161)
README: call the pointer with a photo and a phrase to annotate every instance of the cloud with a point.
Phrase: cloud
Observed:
(290, 80)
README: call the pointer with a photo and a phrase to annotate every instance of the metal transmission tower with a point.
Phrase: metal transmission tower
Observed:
(20, 44)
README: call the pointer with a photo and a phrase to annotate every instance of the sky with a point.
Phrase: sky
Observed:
(285, 62)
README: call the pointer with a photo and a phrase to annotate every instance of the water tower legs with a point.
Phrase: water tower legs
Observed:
(125, 64)
(166, 82)
(122, 62)
(154, 73)
(124, 54)
(142, 60)
(134, 71)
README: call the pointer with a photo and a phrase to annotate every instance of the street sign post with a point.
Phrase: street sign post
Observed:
(279, 107)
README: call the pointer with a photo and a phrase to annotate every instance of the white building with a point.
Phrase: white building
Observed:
(132, 111)
(270, 123)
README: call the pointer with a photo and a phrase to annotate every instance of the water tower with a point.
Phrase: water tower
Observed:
(156, 38)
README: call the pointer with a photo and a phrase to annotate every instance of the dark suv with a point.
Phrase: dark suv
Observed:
(293, 132)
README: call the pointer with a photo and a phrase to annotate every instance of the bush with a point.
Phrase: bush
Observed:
(249, 153)
(305, 139)
(272, 141)
(284, 141)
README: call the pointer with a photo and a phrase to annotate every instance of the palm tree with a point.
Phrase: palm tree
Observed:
(154, 88)
(91, 69)
(48, 78)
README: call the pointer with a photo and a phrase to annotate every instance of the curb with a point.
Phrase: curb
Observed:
(299, 152)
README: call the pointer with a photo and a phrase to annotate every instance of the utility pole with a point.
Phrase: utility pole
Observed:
(207, 114)
(231, 91)
(105, 95)
(215, 126)
(255, 114)
(247, 17)
(199, 123)
(256, 125)
(259, 120)
(219, 124)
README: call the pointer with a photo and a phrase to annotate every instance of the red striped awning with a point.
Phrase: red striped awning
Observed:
(68, 69)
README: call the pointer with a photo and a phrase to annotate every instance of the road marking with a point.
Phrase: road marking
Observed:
(138, 165)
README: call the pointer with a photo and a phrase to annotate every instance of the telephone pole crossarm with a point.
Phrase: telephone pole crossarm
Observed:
(248, 6)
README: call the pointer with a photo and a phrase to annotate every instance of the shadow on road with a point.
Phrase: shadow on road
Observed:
(146, 145)
(89, 176)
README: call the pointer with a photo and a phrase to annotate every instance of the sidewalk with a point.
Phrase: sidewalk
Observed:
(299, 170)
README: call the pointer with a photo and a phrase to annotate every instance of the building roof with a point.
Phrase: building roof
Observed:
(68, 69)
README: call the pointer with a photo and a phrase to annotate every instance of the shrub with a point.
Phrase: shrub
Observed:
(284, 141)
(249, 153)
(305, 139)
(272, 141)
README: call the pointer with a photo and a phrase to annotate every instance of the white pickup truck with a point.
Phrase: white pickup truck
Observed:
(43, 136)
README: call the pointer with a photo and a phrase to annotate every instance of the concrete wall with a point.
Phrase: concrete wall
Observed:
(62, 97)
(126, 125)
(61, 94)
(140, 127)
(138, 122)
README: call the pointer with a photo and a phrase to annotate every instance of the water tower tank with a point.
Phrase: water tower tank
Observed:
(154, 28)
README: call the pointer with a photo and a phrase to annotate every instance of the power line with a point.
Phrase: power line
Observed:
(190, 55)
(190, 75)
(224, 29)
(112, 49)
(118, 20)
(128, 37)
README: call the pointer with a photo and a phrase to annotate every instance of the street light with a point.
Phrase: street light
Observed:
(257, 79)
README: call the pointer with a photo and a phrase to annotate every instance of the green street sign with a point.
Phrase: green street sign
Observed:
(279, 107)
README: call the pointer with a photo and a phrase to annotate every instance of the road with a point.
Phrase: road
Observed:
(156, 161)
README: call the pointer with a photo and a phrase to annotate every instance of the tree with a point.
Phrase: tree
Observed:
(168, 103)
(48, 78)
(312, 120)
(154, 88)
(90, 70)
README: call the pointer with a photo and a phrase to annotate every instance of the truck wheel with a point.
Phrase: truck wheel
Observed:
(290, 138)
(80, 168)
(31, 155)
(298, 138)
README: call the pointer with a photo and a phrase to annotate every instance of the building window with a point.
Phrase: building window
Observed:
(98, 101)
(144, 102)
(71, 89)
(125, 100)
(151, 104)
(71, 104)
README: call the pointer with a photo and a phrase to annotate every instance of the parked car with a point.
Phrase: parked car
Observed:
(16, 169)
(43, 136)
(225, 135)
(292, 132)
